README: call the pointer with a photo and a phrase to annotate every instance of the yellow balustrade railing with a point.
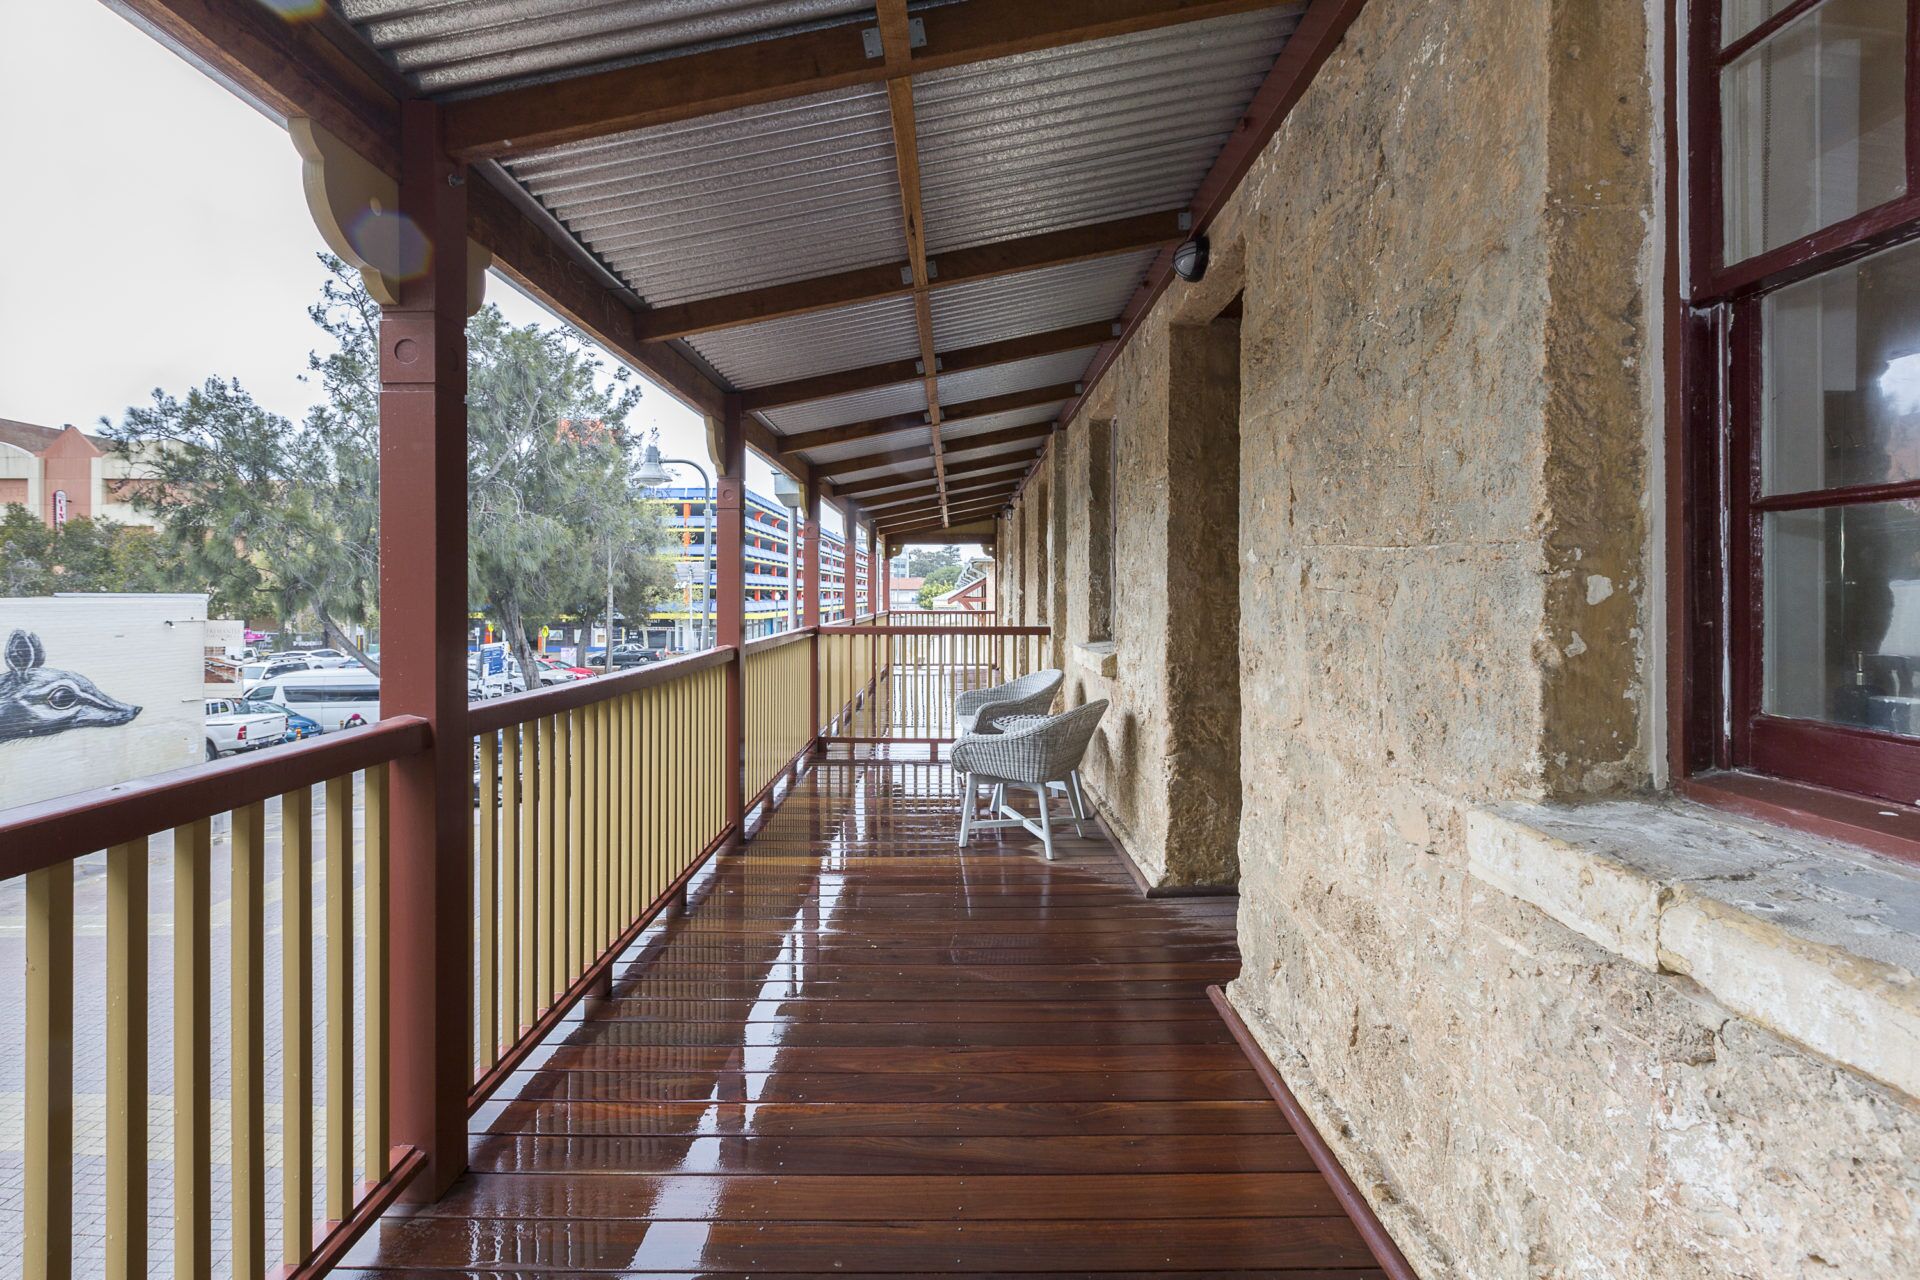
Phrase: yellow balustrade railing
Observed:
(777, 678)
(258, 820)
(898, 683)
(593, 803)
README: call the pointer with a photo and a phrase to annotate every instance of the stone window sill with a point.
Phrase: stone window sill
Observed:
(1098, 657)
(1813, 939)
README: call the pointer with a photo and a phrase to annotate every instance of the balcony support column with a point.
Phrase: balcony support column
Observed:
(729, 591)
(810, 598)
(874, 604)
(423, 597)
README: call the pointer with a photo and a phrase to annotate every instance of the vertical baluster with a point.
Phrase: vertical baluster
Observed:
(603, 822)
(192, 1050)
(126, 1225)
(657, 833)
(247, 993)
(578, 777)
(529, 923)
(506, 1028)
(378, 950)
(296, 1025)
(49, 1082)
(339, 793)
(486, 893)
(542, 897)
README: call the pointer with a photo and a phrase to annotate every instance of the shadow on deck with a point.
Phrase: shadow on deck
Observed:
(861, 1051)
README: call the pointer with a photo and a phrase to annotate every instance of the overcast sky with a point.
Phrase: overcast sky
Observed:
(153, 234)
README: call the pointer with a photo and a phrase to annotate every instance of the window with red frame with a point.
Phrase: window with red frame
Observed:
(1802, 451)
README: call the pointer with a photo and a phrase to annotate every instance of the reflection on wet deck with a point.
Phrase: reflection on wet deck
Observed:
(863, 1051)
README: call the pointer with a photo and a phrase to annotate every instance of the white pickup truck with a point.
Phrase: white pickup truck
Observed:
(233, 726)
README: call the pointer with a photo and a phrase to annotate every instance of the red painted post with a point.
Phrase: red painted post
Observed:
(423, 633)
(810, 599)
(729, 587)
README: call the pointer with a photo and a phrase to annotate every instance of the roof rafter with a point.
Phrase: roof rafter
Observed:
(896, 42)
(1003, 462)
(985, 356)
(672, 89)
(921, 453)
(902, 497)
(959, 411)
(896, 279)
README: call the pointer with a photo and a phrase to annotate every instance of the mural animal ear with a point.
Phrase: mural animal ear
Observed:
(24, 651)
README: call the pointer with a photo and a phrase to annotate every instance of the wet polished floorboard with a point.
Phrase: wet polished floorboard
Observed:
(862, 1051)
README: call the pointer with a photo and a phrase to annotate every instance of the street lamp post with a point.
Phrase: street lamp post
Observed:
(652, 475)
(787, 489)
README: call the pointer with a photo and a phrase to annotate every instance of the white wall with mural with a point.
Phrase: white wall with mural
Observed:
(98, 689)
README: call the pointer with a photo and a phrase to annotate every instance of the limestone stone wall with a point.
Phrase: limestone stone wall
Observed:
(1448, 368)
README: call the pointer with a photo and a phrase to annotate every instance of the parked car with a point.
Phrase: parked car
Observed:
(235, 725)
(299, 727)
(333, 699)
(554, 671)
(635, 655)
(273, 664)
(329, 659)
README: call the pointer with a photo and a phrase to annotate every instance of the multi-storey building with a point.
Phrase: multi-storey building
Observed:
(62, 473)
(771, 570)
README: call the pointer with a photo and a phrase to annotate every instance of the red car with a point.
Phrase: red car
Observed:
(554, 664)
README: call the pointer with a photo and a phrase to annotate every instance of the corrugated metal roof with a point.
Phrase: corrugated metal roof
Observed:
(881, 402)
(760, 196)
(452, 45)
(1085, 133)
(999, 379)
(870, 444)
(818, 342)
(951, 432)
(974, 455)
(967, 315)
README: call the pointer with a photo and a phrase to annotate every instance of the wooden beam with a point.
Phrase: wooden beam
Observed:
(894, 481)
(936, 522)
(895, 280)
(919, 453)
(957, 511)
(896, 43)
(668, 90)
(886, 504)
(930, 507)
(985, 356)
(949, 414)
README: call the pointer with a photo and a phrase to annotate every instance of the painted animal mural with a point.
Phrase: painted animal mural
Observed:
(37, 701)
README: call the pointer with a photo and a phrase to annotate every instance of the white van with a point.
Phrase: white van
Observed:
(335, 699)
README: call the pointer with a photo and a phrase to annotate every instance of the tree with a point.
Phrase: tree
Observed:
(939, 581)
(549, 496)
(922, 562)
(267, 510)
(292, 513)
(84, 555)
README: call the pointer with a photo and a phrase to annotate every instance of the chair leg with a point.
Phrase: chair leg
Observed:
(966, 809)
(1046, 823)
(1079, 801)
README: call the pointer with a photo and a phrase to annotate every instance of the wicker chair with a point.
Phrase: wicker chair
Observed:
(1038, 753)
(1030, 695)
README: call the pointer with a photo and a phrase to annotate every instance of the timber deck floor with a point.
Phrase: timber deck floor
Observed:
(862, 1052)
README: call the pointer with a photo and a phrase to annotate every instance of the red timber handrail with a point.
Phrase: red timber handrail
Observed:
(49, 832)
(489, 717)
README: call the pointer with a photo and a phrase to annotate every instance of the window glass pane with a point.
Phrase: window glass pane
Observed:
(1842, 604)
(1813, 124)
(1737, 17)
(1840, 400)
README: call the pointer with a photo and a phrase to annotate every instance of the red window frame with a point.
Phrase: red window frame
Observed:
(1716, 348)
